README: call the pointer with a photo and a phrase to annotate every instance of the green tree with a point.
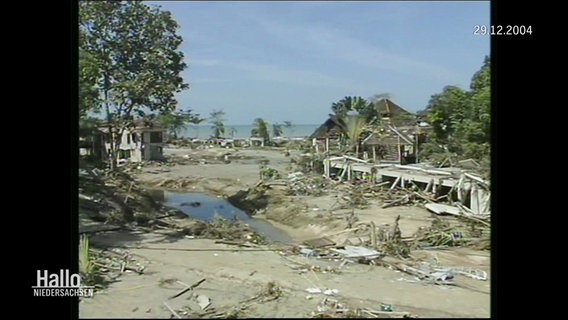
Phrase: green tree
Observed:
(178, 121)
(480, 106)
(365, 108)
(461, 120)
(88, 91)
(447, 110)
(217, 119)
(260, 130)
(277, 130)
(135, 49)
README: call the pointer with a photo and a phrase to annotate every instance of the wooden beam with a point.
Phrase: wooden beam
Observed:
(373, 235)
(429, 185)
(478, 179)
(395, 182)
(374, 154)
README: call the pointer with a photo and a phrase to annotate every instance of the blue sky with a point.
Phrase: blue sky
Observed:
(291, 60)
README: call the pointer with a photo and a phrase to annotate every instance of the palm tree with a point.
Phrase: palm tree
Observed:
(196, 121)
(277, 130)
(362, 106)
(352, 124)
(260, 129)
(217, 120)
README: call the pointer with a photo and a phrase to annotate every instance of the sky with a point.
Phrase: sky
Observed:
(290, 60)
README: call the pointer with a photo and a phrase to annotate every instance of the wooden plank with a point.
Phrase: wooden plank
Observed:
(193, 286)
(391, 313)
(357, 252)
(395, 182)
(398, 201)
(373, 235)
(422, 196)
(429, 185)
(356, 159)
(320, 242)
(172, 310)
(432, 171)
(417, 177)
(438, 208)
(474, 199)
(478, 179)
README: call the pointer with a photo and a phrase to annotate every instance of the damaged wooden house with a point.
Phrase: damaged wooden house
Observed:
(393, 135)
(143, 142)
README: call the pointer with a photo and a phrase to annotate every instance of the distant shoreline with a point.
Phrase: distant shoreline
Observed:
(204, 131)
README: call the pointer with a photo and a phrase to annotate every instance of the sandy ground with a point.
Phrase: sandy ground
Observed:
(234, 275)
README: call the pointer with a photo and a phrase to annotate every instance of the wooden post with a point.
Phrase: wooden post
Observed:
(374, 154)
(474, 199)
(416, 147)
(326, 145)
(399, 150)
(373, 235)
(429, 185)
(348, 172)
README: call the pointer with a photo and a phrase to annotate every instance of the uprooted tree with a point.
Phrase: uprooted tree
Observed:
(129, 55)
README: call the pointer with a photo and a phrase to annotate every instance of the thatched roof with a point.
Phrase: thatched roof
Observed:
(329, 129)
(399, 116)
(387, 108)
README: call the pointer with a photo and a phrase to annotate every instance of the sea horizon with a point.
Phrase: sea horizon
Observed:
(244, 131)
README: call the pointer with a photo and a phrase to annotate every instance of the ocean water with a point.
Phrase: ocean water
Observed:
(243, 131)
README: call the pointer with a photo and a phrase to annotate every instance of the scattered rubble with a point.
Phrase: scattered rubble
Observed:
(299, 184)
(109, 265)
(460, 220)
(234, 232)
